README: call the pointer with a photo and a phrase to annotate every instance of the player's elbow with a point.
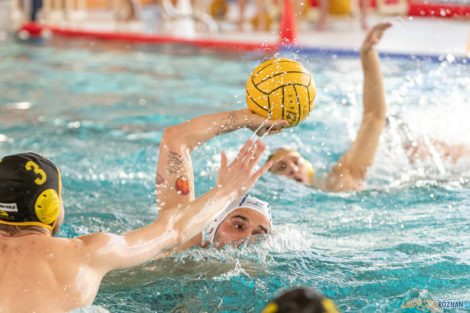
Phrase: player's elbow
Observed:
(177, 230)
(180, 239)
(174, 137)
(171, 134)
(177, 137)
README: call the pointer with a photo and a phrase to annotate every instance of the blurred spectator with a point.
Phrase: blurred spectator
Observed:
(340, 7)
(125, 10)
(219, 9)
(269, 11)
(36, 6)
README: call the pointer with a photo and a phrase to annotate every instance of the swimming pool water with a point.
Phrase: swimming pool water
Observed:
(98, 110)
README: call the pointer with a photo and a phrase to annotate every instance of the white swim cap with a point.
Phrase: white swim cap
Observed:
(246, 201)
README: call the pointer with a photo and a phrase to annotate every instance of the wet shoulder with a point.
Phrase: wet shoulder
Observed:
(343, 182)
(36, 247)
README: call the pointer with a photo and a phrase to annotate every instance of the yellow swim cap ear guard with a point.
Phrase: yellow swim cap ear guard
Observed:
(29, 191)
(310, 169)
(329, 306)
(300, 299)
(272, 307)
(46, 206)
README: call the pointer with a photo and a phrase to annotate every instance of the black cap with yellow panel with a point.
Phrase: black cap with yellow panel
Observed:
(300, 300)
(29, 191)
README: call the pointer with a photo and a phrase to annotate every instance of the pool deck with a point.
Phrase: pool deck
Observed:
(424, 36)
(410, 35)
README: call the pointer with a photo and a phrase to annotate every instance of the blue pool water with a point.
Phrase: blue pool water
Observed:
(98, 110)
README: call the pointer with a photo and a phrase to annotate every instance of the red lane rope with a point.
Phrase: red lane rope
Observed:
(35, 29)
(438, 10)
(415, 9)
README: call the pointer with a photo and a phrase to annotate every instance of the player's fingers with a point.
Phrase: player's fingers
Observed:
(273, 132)
(258, 153)
(262, 170)
(276, 124)
(384, 26)
(223, 160)
(245, 149)
(250, 156)
(261, 132)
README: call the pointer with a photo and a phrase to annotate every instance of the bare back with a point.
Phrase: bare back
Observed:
(45, 274)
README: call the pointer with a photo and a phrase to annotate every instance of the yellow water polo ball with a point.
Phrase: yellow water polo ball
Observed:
(281, 89)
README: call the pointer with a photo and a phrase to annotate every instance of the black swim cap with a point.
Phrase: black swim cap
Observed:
(29, 191)
(300, 300)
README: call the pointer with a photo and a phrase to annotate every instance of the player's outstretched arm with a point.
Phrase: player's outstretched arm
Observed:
(175, 226)
(350, 171)
(175, 178)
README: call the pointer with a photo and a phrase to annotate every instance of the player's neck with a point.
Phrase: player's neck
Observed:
(24, 233)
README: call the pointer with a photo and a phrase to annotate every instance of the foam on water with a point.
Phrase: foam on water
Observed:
(90, 309)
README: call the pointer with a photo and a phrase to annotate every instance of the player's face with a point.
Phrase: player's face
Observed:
(292, 165)
(239, 225)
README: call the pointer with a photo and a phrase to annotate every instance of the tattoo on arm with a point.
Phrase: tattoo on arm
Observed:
(227, 123)
(182, 185)
(175, 161)
(175, 166)
(159, 180)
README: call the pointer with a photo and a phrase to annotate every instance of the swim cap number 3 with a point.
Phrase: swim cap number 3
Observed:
(33, 166)
(47, 205)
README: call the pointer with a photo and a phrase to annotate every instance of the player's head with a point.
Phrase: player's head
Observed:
(300, 300)
(243, 218)
(30, 193)
(291, 164)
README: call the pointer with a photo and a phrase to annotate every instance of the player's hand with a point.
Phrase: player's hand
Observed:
(373, 36)
(261, 125)
(240, 175)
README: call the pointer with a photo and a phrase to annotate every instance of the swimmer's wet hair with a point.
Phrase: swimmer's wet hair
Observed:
(277, 150)
(300, 300)
(15, 230)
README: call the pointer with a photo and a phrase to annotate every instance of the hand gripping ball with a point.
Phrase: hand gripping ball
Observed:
(281, 89)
